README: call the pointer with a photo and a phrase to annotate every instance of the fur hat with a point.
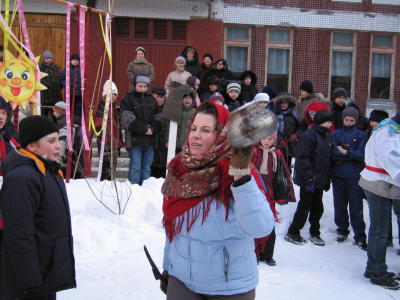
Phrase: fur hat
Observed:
(339, 92)
(158, 91)
(74, 56)
(60, 107)
(33, 128)
(208, 55)
(307, 86)
(47, 54)
(234, 86)
(378, 115)
(180, 58)
(350, 112)
(213, 80)
(114, 89)
(217, 96)
(271, 91)
(261, 97)
(322, 116)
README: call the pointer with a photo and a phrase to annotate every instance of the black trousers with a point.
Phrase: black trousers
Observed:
(2, 290)
(47, 297)
(310, 203)
(268, 252)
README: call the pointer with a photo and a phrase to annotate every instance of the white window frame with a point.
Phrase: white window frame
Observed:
(344, 48)
(280, 45)
(237, 43)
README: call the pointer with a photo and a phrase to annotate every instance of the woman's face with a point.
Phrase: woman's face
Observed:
(247, 80)
(189, 55)
(3, 117)
(140, 55)
(207, 61)
(220, 65)
(203, 134)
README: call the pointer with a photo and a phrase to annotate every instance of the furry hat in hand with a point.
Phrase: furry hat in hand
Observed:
(307, 86)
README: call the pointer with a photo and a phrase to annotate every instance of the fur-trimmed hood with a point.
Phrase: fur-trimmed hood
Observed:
(306, 116)
(253, 77)
(195, 56)
(289, 98)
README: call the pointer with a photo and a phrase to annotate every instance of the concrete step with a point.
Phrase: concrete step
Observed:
(119, 173)
(121, 162)
(124, 153)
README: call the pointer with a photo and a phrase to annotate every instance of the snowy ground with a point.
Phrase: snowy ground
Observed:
(111, 264)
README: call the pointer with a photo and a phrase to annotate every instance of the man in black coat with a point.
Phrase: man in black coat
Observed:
(312, 173)
(38, 258)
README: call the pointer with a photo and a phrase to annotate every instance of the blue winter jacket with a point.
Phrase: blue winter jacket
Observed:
(218, 257)
(351, 164)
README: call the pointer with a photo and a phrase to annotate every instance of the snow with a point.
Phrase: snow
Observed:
(111, 264)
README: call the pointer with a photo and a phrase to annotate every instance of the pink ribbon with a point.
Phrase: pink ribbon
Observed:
(67, 72)
(82, 64)
(28, 45)
(107, 106)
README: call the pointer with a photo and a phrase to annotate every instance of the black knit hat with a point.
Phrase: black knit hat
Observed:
(208, 55)
(378, 115)
(271, 91)
(3, 104)
(322, 116)
(339, 92)
(350, 112)
(33, 128)
(307, 86)
(74, 56)
(354, 104)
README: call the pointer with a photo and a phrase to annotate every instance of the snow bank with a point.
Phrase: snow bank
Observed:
(111, 264)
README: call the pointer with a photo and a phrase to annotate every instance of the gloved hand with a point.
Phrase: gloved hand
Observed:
(282, 144)
(240, 160)
(346, 147)
(166, 275)
(293, 138)
(310, 185)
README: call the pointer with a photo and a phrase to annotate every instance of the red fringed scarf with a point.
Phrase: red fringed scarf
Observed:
(194, 181)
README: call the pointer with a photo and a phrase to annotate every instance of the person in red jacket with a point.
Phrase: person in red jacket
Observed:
(265, 158)
(309, 113)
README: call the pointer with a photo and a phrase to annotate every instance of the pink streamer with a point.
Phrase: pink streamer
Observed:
(82, 64)
(67, 73)
(28, 45)
(108, 100)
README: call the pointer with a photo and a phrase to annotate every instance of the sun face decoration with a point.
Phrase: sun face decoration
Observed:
(18, 80)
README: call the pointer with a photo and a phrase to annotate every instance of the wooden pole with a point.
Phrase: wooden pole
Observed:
(93, 9)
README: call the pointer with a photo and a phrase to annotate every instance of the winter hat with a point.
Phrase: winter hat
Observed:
(217, 96)
(208, 55)
(247, 76)
(47, 54)
(307, 86)
(315, 107)
(141, 49)
(261, 97)
(188, 95)
(275, 135)
(33, 128)
(3, 104)
(158, 91)
(354, 104)
(271, 91)
(60, 107)
(180, 58)
(192, 81)
(339, 92)
(214, 80)
(378, 115)
(114, 89)
(350, 112)
(283, 94)
(233, 87)
(140, 77)
(322, 116)
(74, 56)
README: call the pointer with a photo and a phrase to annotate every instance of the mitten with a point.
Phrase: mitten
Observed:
(310, 185)
(162, 287)
(293, 138)
(282, 144)
(240, 160)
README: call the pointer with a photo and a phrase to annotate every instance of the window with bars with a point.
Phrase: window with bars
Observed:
(237, 48)
(279, 52)
(382, 61)
(343, 48)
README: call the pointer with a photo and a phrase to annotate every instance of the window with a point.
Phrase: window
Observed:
(279, 58)
(382, 61)
(343, 49)
(237, 48)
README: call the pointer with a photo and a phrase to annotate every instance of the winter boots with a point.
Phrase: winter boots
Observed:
(362, 245)
(268, 261)
(341, 238)
(316, 240)
(387, 283)
(295, 239)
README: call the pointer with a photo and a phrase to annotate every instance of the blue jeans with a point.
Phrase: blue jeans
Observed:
(379, 212)
(347, 192)
(141, 159)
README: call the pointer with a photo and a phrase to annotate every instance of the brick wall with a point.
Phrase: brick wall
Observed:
(362, 68)
(259, 54)
(205, 35)
(396, 86)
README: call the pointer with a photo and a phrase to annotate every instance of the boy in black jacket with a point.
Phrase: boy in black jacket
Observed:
(38, 258)
(312, 173)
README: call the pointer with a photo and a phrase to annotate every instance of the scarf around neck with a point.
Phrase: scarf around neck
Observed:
(282, 113)
(264, 163)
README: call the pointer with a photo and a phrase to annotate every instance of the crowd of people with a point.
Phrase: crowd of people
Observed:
(219, 201)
